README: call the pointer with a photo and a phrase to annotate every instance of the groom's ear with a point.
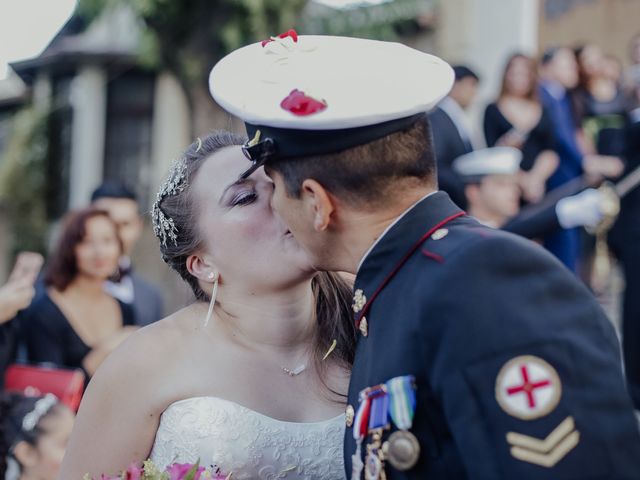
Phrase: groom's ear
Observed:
(318, 203)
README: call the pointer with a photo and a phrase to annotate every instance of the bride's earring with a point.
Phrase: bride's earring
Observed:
(214, 277)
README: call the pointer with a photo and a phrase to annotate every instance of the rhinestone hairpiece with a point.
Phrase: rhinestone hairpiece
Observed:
(40, 409)
(163, 226)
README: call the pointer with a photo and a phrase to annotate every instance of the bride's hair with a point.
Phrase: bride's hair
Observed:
(176, 210)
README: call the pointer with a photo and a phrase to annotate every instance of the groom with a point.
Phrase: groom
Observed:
(479, 355)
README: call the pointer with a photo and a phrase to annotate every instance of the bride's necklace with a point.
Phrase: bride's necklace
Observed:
(295, 371)
(303, 366)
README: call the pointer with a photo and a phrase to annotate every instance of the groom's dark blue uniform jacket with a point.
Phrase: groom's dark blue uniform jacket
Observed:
(517, 369)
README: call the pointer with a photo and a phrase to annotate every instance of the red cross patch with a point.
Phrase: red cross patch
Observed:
(527, 387)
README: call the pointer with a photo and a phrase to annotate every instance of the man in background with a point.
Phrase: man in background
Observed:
(451, 133)
(633, 72)
(624, 240)
(127, 286)
(493, 196)
(559, 74)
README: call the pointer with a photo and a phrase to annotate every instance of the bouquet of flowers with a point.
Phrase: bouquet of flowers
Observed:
(176, 471)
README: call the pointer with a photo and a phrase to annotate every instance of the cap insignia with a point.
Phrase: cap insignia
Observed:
(255, 140)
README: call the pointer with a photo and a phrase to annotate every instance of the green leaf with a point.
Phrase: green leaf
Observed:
(191, 474)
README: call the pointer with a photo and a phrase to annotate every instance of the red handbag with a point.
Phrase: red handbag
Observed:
(67, 385)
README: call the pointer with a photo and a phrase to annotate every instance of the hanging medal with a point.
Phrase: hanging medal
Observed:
(378, 422)
(360, 427)
(402, 450)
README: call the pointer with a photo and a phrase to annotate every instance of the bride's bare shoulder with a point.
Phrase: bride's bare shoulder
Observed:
(152, 354)
(170, 332)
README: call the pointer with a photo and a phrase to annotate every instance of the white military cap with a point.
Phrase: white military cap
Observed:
(312, 95)
(488, 161)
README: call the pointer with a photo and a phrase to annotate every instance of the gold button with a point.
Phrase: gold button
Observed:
(440, 234)
(359, 301)
(349, 416)
(364, 327)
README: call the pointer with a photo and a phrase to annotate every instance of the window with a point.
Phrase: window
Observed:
(59, 164)
(128, 136)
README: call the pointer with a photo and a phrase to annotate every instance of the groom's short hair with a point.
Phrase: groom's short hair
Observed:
(368, 174)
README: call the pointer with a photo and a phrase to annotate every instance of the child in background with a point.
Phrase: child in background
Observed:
(33, 436)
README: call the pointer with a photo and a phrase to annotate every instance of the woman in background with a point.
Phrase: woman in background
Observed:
(517, 119)
(76, 324)
(34, 432)
(601, 103)
(14, 296)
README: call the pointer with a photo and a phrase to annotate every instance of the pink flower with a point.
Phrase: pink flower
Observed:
(302, 105)
(179, 471)
(134, 472)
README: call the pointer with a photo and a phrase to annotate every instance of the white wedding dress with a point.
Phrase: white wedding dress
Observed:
(247, 444)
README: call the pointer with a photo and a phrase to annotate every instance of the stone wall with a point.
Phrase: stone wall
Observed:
(608, 23)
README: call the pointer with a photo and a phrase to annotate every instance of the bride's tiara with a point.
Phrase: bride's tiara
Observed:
(163, 225)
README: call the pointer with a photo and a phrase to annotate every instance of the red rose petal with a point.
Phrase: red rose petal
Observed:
(302, 105)
(291, 33)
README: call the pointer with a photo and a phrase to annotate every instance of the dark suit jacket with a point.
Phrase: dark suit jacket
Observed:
(534, 222)
(624, 239)
(566, 144)
(148, 304)
(458, 309)
(448, 145)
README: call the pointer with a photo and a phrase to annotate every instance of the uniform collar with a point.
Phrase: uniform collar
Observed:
(364, 257)
(400, 237)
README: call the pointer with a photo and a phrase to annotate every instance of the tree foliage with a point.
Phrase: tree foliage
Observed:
(187, 37)
(23, 181)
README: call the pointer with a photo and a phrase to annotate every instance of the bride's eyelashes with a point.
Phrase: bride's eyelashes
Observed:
(244, 198)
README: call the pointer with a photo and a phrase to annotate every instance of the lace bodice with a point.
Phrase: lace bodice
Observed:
(249, 445)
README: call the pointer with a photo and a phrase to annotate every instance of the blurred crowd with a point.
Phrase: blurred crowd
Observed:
(89, 297)
(561, 125)
(68, 318)
(573, 116)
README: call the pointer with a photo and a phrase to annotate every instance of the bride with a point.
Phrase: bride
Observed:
(254, 385)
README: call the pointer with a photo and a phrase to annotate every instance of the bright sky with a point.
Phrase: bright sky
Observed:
(27, 26)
